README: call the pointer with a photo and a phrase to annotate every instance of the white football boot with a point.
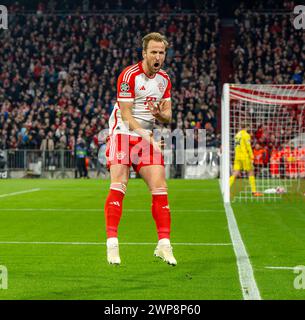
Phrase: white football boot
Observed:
(113, 254)
(164, 251)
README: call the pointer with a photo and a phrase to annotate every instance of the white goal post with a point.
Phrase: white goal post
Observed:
(274, 117)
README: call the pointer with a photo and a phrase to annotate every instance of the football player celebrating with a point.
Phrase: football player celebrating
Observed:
(143, 95)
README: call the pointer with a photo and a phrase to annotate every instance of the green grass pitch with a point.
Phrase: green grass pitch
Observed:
(52, 243)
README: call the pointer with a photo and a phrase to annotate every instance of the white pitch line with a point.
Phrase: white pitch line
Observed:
(246, 276)
(121, 243)
(101, 209)
(286, 268)
(19, 192)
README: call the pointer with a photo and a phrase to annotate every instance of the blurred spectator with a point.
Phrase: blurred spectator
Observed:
(275, 162)
(81, 154)
(260, 155)
(47, 143)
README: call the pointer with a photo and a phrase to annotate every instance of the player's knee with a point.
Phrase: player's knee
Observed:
(118, 186)
(159, 190)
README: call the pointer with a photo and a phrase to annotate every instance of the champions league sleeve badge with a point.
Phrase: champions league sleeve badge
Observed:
(124, 87)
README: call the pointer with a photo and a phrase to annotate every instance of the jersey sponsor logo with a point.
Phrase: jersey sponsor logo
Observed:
(125, 94)
(153, 99)
(142, 88)
(124, 86)
(120, 155)
(161, 87)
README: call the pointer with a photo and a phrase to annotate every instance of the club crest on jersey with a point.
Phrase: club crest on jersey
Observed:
(161, 87)
(124, 86)
(120, 155)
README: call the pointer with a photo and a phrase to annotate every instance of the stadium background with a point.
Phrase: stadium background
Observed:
(59, 61)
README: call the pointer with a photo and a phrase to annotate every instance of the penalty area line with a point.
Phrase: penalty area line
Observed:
(19, 192)
(121, 243)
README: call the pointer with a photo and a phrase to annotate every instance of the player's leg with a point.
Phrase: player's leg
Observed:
(247, 166)
(85, 168)
(117, 154)
(154, 176)
(236, 171)
(252, 183)
(79, 169)
(119, 174)
(233, 177)
(113, 207)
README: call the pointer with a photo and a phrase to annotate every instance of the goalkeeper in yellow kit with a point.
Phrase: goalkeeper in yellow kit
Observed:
(243, 160)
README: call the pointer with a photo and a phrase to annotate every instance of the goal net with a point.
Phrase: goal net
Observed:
(272, 119)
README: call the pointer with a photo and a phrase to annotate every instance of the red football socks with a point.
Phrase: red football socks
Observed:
(161, 212)
(113, 208)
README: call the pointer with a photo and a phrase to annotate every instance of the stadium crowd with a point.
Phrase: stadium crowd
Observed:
(83, 6)
(58, 74)
(267, 49)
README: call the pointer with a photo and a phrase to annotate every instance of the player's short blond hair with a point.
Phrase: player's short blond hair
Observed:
(156, 36)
